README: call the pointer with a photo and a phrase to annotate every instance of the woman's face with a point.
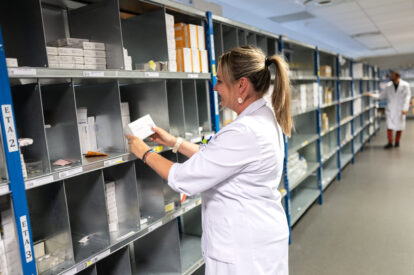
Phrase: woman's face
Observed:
(226, 91)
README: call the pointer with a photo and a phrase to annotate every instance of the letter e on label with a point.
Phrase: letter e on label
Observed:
(8, 121)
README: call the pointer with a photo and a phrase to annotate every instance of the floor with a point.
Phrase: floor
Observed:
(366, 223)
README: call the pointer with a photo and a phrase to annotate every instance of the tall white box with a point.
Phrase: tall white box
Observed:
(93, 146)
(204, 61)
(201, 38)
(195, 55)
(184, 60)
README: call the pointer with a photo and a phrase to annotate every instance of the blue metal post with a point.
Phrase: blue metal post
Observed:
(318, 127)
(214, 104)
(369, 105)
(286, 185)
(361, 136)
(14, 169)
(352, 113)
(338, 118)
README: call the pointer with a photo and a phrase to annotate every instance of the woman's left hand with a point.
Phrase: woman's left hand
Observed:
(137, 146)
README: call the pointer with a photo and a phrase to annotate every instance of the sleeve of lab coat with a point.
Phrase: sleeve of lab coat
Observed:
(407, 94)
(226, 155)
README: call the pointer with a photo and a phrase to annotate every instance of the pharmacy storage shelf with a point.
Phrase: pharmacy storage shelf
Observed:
(330, 104)
(345, 159)
(329, 175)
(299, 141)
(311, 168)
(332, 128)
(303, 198)
(328, 155)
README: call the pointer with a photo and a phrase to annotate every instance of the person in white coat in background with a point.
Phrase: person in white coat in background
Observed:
(397, 93)
(245, 230)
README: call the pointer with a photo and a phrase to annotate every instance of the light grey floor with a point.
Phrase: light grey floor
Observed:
(366, 224)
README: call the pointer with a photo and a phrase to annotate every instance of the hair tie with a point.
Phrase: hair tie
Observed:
(268, 62)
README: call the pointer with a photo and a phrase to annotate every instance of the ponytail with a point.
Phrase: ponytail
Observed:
(251, 62)
(281, 94)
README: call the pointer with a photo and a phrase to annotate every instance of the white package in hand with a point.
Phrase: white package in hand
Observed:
(141, 127)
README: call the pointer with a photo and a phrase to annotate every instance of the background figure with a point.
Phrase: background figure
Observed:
(397, 93)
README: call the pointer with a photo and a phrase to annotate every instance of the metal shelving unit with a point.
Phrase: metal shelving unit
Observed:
(148, 234)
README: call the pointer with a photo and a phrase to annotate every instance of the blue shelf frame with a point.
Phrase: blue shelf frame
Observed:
(14, 169)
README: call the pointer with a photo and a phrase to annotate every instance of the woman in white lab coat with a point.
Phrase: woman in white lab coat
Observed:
(238, 172)
(397, 94)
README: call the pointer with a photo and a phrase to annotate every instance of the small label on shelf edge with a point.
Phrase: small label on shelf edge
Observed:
(4, 189)
(22, 71)
(94, 73)
(111, 162)
(69, 173)
(192, 75)
(152, 74)
(155, 226)
(38, 182)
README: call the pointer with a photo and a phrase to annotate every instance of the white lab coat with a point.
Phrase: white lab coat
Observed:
(245, 229)
(397, 101)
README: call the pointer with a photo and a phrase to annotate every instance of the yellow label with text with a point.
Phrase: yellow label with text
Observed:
(169, 207)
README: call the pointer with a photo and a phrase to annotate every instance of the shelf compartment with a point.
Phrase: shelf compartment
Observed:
(87, 213)
(158, 252)
(345, 88)
(172, 199)
(151, 192)
(241, 36)
(329, 174)
(251, 39)
(261, 43)
(89, 271)
(127, 202)
(303, 197)
(43, 22)
(50, 226)
(230, 39)
(191, 112)
(116, 263)
(103, 102)
(218, 40)
(345, 159)
(330, 152)
(203, 101)
(312, 167)
(59, 111)
(28, 111)
(298, 141)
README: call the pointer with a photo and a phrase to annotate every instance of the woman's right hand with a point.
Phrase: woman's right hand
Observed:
(163, 137)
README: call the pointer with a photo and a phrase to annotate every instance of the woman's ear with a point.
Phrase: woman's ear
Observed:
(243, 84)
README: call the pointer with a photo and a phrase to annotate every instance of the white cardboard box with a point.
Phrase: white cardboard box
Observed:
(95, 60)
(93, 46)
(124, 109)
(92, 134)
(195, 55)
(70, 51)
(201, 38)
(95, 66)
(67, 65)
(53, 65)
(94, 53)
(184, 60)
(52, 50)
(141, 127)
(70, 59)
(204, 61)
(52, 59)
(11, 62)
(172, 66)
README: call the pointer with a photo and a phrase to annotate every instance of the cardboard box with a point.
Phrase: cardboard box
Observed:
(196, 64)
(94, 53)
(53, 65)
(67, 65)
(11, 62)
(186, 36)
(204, 61)
(172, 55)
(52, 50)
(95, 66)
(70, 59)
(169, 20)
(326, 71)
(201, 38)
(93, 46)
(184, 60)
(95, 60)
(92, 134)
(171, 44)
(79, 66)
(68, 42)
(172, 66)
(52, 59)
(70, 51)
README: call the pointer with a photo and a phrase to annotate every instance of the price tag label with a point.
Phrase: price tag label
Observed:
(93, 73)
(4, 189)
(69, 173)
(111, 162)
(305, 143)
(37, 182)
(192, 75)
(22, 71)
(155, 226)
(152, 74)
(8, 121)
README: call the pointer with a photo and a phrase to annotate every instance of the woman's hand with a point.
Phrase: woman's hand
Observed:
(163, 137)
(137, 146)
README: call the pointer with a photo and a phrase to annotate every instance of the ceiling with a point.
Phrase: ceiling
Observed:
(354, 28)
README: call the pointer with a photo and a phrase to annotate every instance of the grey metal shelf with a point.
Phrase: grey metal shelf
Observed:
(47, 73)
(328, 78)
(303, 78)
(302, 201)
(312, 167)
(346, 141)
(345, 78)
(347, 99)
(328, 176)
(302, 140)
(306, 111)
(191, 256)
(346, 120)
(329, 105)
(329, 130)
(326, 157)
(133, 236)
(345, 159)
(358, 147)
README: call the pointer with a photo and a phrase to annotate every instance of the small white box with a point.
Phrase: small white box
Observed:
(171, 44)
(79, 66)
(170, 33)
(95, 66)
(184, 60)
(95, 61)
(201, 38)
(92, 134)
(65, 51)
(204, 61)
(172, 66)
(83, 136)
(67, 65)
(70, 59)
(54, 65)
(82, 115)
(93, 46)
(53, 59)
(11, 62)
(113, 227)
(94, 53)
(141, 127)
(169, 20)
(172, 55)
(39, 249)
(52, 50)
(124, 109)
(77, 52)
(195, 55)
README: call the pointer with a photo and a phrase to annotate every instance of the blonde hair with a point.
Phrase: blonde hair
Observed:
(250, 62)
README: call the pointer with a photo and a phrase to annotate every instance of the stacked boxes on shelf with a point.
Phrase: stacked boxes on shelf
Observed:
(111, 206)
(76, 53)
(328, 95)
(191, 48)
(172, 55)
(9, 251)
(304, 97)
(326, 71)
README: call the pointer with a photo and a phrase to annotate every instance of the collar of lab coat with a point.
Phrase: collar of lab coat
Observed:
(253, 107)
